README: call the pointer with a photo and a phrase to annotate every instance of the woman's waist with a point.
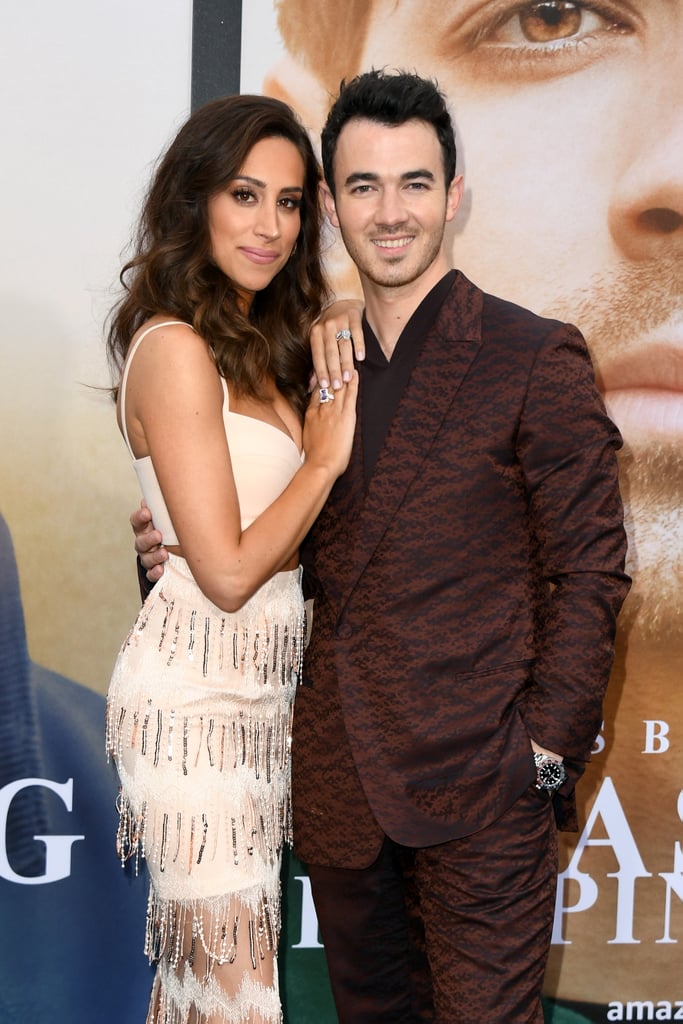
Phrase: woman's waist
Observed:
(179, 626)
(178, 577)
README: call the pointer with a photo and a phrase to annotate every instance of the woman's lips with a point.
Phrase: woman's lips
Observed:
(261, 256)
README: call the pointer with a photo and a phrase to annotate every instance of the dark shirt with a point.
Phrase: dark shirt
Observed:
(383, 380)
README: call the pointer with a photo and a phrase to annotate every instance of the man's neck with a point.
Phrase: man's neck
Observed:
(388, 309)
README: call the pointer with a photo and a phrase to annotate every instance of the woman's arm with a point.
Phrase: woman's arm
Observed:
(174, 408)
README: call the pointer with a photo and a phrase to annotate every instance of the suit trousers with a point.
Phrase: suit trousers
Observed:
(457, 933)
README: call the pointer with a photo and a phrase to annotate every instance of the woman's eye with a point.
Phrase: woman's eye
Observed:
(243, 195)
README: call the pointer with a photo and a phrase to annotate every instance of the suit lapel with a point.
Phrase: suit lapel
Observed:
(355, 521)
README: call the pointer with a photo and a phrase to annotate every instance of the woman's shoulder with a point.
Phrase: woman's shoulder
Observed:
(168, 355)
(162, 326)
(162, 338)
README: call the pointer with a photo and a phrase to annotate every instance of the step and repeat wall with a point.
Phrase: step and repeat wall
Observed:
(569, 121)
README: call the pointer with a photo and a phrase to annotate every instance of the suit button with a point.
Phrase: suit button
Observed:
(344, 632)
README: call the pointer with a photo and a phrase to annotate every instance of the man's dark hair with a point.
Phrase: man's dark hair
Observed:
(389, 98)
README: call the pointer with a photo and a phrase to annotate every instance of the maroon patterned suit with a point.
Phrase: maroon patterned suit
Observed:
(465, 601)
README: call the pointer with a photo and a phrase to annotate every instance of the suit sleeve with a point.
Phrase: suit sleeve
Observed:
(143, 582)
(567, 447)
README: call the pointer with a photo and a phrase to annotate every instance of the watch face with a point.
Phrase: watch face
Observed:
(551, 774)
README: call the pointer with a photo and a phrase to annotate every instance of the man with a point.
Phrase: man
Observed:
(467, 572)
(569, 119)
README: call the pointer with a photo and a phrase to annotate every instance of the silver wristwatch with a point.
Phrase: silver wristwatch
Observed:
(550, 774)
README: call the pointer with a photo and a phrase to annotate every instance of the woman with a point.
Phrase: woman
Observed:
(209, 341)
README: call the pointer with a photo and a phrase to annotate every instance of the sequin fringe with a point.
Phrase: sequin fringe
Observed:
(199, 717)
(249, 756)
(174, 999)
(217, 927)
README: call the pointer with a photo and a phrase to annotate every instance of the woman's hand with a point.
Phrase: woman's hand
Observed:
(335, 338)
(148, 543)
(329, 427)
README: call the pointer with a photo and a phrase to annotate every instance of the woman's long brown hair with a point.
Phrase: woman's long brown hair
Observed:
(172, 271)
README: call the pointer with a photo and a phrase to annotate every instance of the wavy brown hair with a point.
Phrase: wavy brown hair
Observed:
(172, 271)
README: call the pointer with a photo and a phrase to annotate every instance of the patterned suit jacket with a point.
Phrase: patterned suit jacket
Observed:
(467, 599)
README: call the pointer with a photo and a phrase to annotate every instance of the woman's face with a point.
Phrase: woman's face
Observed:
(255, 221)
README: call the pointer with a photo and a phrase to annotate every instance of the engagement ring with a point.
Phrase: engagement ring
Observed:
(345, 334)
(326, 395)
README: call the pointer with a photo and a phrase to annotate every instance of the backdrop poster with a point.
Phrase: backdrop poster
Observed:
(569, 121)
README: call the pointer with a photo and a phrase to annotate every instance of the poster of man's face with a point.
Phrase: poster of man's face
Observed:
(569, 126)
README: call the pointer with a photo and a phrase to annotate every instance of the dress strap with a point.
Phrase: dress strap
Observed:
(124, 378)
(224, 384)
(226, 394)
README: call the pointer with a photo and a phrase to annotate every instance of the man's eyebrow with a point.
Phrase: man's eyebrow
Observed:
(361, 176)
(420, 173)
(406, 176)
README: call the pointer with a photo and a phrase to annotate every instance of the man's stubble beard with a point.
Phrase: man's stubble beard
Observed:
(394, 274)
(614, 308)
(652, 489)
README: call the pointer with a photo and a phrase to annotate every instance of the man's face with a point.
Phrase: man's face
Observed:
(569, 122)
(391, 203)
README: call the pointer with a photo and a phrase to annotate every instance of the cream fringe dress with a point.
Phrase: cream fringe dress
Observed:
(199, 725)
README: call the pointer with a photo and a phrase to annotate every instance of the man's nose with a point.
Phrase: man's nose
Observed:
(391, 207)
(646, 212)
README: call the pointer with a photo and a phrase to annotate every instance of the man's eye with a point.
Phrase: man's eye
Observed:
(549, 21)
(538, 38)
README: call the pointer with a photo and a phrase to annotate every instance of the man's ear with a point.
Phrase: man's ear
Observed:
(453, 196)
(329, 204)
